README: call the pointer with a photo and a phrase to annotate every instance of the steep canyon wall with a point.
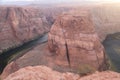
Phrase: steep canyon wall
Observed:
(21, 24)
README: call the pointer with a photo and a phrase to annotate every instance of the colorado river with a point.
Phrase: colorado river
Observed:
(12, 54)
(112, 47)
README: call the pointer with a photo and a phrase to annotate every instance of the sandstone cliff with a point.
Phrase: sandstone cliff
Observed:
(75, 43)
(21, 24)
(18, 25)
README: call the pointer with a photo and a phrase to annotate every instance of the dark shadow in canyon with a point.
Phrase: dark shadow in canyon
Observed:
(112, 47)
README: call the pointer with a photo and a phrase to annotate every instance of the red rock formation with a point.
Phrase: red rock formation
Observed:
(107, 75)
(21, 24)
(74, 41)
(41, 73)
(45, 73)
(12, 67)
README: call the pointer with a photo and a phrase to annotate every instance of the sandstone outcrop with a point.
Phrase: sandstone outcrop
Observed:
(41, 73)
(75, 43)
(11, 68)
(45, 73)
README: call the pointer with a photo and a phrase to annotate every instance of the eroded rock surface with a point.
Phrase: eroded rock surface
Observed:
(11, 68)
(45, 73)
(107, 75)
(41, 73)
(74, 41)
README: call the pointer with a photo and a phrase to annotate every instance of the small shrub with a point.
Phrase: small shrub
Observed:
(85, 69)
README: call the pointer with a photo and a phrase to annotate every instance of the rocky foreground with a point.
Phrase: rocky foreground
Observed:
(45, 73)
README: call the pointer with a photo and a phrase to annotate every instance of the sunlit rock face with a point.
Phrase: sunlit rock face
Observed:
(21, 24)
(45, 73)
(105, 75)
(41, 73)
(74, 42)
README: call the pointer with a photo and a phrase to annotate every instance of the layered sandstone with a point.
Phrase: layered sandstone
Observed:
(45, 73)
(20, 24)
(74, 42)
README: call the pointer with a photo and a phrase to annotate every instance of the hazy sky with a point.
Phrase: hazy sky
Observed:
(44, 1)
(58, 1)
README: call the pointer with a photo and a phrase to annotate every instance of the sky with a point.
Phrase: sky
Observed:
(57, 1)
(60, 0)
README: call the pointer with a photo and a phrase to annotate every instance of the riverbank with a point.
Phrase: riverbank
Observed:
(112, 47)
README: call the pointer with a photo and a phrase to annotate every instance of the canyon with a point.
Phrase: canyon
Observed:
(74, 50)
(24, 24)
